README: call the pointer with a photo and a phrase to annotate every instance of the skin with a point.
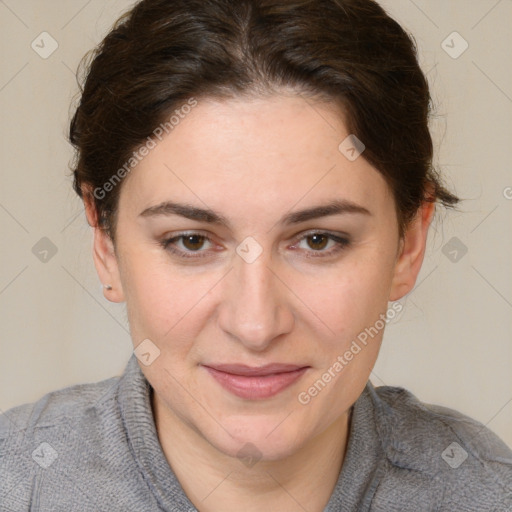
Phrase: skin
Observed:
(254, 161)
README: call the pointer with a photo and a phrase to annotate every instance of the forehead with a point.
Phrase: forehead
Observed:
(268, 152)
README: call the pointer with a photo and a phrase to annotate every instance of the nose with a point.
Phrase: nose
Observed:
(254, 309)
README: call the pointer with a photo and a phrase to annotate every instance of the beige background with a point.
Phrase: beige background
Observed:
(451, 345)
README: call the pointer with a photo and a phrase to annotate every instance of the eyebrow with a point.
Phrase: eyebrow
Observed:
(334, 207)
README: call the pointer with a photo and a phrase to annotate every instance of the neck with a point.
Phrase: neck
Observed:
(214, 481)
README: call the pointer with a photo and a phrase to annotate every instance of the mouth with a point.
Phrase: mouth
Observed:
(256, 383)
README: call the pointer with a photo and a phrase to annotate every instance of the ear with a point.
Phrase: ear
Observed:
(105, 259)
(412, 251)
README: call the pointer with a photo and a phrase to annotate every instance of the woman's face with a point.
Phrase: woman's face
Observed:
(266, 274)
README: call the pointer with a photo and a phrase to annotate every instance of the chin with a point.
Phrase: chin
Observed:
(262, 438)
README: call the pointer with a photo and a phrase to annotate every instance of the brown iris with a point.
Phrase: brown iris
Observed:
(193, 242)
(319, 241)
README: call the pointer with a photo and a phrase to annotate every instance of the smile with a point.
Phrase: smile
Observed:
(256, 383)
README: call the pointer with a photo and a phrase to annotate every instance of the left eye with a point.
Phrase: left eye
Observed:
(318, 242)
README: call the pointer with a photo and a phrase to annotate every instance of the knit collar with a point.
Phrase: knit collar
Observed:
(135, 402)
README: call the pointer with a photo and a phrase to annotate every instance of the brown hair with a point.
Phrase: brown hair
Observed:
(163, 52)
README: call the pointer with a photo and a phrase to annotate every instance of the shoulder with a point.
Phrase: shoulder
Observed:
(461, 459)
(64, 425)
(57, 408)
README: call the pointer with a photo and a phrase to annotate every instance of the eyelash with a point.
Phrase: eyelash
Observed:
(342, 243)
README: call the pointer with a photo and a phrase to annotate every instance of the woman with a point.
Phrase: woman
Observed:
(258, 176)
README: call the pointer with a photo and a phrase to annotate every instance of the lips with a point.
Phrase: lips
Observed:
(258, 371)
(251, 382)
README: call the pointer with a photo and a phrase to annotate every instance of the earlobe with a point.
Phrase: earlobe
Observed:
(104, 256)
(410, 259)
(105, 261)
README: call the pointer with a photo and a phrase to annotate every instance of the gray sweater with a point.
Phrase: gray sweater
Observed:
(94, 447)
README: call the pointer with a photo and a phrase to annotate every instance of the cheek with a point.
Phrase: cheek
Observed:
(162, 303)
(350, 297)
(351, 304)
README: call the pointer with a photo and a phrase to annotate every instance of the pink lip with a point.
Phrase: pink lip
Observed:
(256, 382)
